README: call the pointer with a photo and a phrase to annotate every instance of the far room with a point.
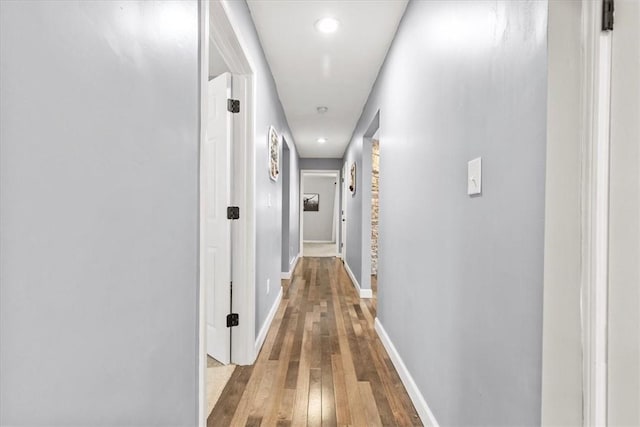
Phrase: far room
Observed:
(320, 207)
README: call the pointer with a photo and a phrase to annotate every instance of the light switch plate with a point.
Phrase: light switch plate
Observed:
(474, 176)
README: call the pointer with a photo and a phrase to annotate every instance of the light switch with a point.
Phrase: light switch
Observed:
(474, 176)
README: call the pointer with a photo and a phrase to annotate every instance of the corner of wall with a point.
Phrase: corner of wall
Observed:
(424, 412)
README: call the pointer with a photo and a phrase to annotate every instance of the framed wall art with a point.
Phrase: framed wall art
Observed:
(274, 154)
(352, 178)
(311, 202)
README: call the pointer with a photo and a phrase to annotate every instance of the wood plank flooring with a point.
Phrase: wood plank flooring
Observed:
(322, 363)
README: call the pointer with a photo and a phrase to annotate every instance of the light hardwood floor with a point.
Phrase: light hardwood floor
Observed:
(321, 364)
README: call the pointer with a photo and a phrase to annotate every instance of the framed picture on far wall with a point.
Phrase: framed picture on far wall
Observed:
(311, 202)
(274, 154)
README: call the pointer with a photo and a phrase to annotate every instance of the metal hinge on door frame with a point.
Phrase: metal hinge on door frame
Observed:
(607, 14)
(233, 319)
(233, 212)
(233, 105)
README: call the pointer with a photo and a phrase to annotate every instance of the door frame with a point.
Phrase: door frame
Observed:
(335, 173)
(343, 212)
(596, 119)
(577, 274)
(215, 26)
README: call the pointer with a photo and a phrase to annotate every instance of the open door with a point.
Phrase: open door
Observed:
(216, 195)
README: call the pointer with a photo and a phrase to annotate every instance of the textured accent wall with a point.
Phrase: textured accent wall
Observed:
(375, 178)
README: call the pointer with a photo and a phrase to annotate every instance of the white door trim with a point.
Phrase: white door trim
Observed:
(335, 173)
(596, 84)
(343, 214)
(203, 83)
(216, 27)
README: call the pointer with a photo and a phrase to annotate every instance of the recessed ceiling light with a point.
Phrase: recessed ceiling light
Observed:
(327, 25)
(322, 109)
(322, 140)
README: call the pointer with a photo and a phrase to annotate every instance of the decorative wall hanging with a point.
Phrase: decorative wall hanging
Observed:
(274, 154)
(311, 202)
(352, 178)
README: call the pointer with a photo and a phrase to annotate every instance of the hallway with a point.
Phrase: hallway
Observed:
(322, 362)
(319, 249)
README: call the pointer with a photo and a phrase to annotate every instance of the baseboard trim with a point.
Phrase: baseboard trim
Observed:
(424, 412)
(319, 241)
(364, 293)
(287, 274)
(267, 324)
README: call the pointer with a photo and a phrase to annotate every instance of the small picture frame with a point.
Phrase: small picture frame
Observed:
(274, 154)
(311, 202)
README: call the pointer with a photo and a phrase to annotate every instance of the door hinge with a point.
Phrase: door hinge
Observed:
(233, 212)
(607, 15)
(233, 105)
(233, 320)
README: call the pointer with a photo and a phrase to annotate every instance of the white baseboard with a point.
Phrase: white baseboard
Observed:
(364, 293)
(424, 412)
(287, 274)
(319, 241)
(267, 323)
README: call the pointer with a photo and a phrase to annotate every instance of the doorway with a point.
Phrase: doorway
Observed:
(343, 214)
(215, 191)
(370, 210)
(320, 207)
(227, 255)
(375, 211)
(287, 263)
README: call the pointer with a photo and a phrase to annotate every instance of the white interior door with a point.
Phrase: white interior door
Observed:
(216, 193)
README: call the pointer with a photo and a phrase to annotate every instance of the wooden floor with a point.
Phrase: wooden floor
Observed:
(321, 364)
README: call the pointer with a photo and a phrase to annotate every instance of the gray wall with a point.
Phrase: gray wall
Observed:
(320, 164)
(460, 278)
(269, 112)
(562, 330)
(319, 226)
(99, 135)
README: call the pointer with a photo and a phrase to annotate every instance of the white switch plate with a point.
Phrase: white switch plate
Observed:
(268, 285)
(474, 176)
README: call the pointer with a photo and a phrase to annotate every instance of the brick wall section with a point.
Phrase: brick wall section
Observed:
(375, 168)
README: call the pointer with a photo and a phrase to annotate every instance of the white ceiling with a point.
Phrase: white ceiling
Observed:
(336, 70)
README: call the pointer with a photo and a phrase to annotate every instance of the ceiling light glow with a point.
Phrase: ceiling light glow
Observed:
(322, 140)
(327, 25)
